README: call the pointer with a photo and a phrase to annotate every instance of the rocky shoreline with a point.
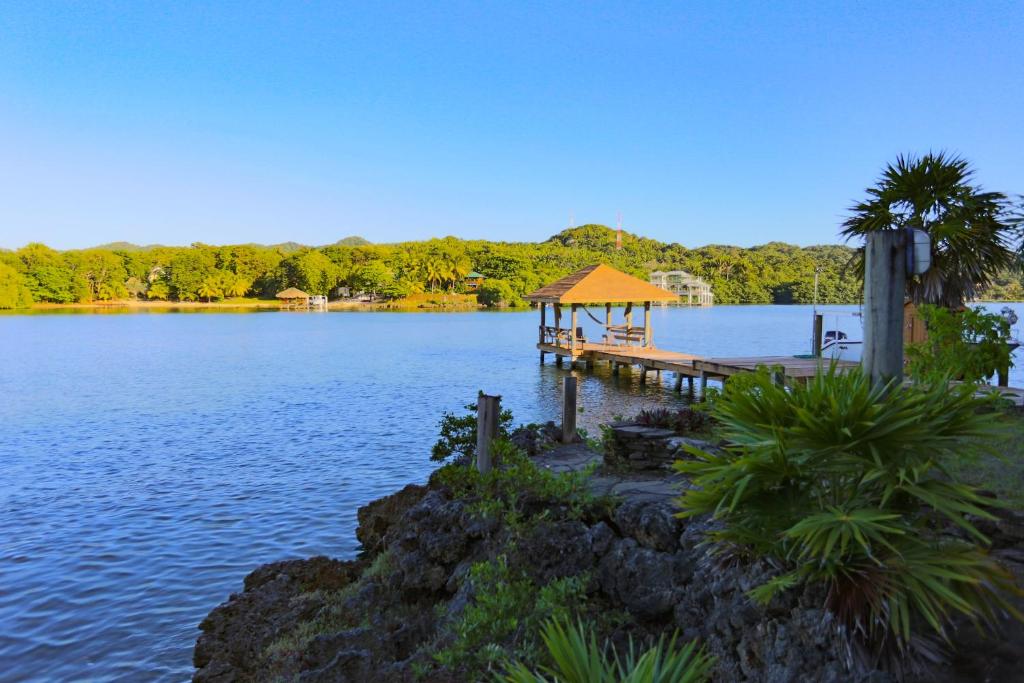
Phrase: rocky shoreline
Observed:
(386, 615)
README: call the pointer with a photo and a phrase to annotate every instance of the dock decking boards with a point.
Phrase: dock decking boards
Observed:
(689, 364)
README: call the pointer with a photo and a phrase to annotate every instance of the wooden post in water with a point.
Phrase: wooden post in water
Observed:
(569, 409)
(543, 324)
(679, 382)
(818, 333)
(607, 323)
(885, 278)
(488, 408)
(647, 324)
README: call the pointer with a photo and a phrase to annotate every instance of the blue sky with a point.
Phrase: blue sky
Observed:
(701, 123)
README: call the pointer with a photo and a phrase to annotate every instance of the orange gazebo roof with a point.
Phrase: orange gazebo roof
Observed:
(599, 284)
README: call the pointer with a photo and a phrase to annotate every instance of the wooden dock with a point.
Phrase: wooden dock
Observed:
(686, 365)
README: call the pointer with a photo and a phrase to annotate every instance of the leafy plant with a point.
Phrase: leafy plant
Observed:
(514, 482)
(683, 421)
(968, 344)
(458, 434)
(576, 657)
(842, 484)
(505, 614)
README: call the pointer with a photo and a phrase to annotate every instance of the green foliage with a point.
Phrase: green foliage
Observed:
(971, 230)
(14, 293)
(968, 344)
(498, 294)
(685, 420)
(576, 657)
(843, 484)
(458, 434)
(505, 614)
(513, 482)
(309, 270)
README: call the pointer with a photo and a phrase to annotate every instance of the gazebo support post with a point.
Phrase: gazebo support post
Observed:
(607, 323)
(543, 324)
(647, 324)
(572, 332)
(629, 320)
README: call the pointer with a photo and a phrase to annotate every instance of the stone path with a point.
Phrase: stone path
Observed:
(635, 486)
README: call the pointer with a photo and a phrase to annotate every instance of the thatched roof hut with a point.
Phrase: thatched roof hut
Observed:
(292, 293)
(600, 284)
(597, 284)
(293, 298)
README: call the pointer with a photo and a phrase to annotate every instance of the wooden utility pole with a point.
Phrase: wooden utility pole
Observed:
(569, 409)
(885, 278)
(488, 409)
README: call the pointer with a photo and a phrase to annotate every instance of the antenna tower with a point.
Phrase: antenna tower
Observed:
(618, 234)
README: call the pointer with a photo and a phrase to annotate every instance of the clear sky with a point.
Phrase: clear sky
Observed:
(702, 123)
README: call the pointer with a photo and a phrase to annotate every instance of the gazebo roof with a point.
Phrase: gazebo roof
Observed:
(292, 293)
(473, 275)
(599, 284)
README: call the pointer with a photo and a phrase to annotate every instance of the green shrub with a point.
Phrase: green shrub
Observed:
(842, 484)
(498, 294)
(577, 658)
(514, 481)
(686, 420)
(968, 345)
(458, 434)
(505, 615)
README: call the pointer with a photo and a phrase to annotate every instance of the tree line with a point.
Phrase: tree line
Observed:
(771, 273)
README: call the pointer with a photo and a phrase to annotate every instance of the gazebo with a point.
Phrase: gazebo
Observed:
(293, 298)
(597, 284)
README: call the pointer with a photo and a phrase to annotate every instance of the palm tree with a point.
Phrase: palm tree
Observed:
(970, 230)
(238, 286)
(210, 288)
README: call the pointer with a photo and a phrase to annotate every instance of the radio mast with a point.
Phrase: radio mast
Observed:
(618, 233)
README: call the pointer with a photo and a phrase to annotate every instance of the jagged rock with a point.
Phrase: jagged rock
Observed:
(534, 439)
(556, 550)
(600, 537)
(643, 580)
(235, 634)
(640, 559)
(653, 524)
(377, 517)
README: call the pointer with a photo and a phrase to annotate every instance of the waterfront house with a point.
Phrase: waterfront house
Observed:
(473, 281)
(687, 286)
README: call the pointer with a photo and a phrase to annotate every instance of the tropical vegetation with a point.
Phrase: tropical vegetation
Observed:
(974, 233)
(576, 657)
(843, 486)
(771, 273)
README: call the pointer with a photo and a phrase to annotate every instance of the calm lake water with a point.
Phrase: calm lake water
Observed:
(149, 461)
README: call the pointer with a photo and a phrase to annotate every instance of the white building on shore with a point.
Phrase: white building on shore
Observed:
(692, 290)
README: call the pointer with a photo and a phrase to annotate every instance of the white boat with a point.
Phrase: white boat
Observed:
(842, 335)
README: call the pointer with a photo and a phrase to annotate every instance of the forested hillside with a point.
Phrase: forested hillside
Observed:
(770, 273)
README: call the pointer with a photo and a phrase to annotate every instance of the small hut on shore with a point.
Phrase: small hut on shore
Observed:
(293, 299)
